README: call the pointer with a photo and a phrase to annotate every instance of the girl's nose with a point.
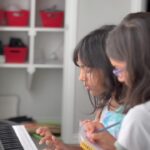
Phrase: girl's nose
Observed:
(82, 75)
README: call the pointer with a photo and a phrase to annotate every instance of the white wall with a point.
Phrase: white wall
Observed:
(41, 100)
(92, 14)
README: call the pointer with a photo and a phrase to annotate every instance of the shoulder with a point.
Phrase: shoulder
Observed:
(136, 123)
(139, 113)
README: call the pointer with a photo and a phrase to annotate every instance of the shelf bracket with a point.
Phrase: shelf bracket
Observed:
(31, 70)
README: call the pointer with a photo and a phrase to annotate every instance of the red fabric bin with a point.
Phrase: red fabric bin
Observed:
(15, 54)
(52, 19)
(1, 17)
(17, 18)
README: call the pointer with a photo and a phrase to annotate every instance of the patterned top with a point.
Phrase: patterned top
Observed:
(111, 117)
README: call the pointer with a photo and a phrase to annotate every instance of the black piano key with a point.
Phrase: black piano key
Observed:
(1, 146)
(8, 138)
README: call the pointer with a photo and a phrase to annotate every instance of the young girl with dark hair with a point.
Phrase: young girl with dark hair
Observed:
(128, 48)
(105, 92)
(90, 56)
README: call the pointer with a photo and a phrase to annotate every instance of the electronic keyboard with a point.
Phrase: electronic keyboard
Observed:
(15, 137)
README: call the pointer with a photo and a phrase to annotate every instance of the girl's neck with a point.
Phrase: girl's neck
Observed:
(113, 105)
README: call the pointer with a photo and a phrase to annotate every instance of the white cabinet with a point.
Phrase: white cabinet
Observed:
(43, 69)
(45, 44)
(38, 81)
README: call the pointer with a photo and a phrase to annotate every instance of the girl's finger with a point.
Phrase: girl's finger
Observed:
(44, 139)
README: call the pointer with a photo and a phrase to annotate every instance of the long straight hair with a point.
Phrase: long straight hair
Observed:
(130, 42)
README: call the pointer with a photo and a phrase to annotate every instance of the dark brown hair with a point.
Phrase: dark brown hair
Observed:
(91, 50)
(130, 42)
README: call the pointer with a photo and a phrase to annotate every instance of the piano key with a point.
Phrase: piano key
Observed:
(15, 137)
(1, 146)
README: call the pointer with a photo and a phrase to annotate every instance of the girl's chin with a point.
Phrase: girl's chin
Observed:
(88, 89)
(93, 93)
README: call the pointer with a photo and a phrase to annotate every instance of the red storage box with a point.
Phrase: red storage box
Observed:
(17, 18)
(52, 19)
(1, 17)
(15, 54)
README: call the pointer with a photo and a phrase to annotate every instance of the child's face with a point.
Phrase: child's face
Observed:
(92, 79)
(120, 70)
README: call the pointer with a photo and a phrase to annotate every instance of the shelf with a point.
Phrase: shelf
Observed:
(42, 66)
(38, 29)
(14, 29)
(42, 29)
(49, 66)
(9, 65)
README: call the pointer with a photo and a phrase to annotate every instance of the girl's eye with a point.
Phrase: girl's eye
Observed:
(88, 70)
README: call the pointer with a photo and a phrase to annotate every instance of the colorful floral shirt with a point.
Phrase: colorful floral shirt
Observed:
(111, 117)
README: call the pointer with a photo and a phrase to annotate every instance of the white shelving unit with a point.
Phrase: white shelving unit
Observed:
(44, 44)
(39, 81)
(49, 68)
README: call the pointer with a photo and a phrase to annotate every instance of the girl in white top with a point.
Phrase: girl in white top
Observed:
(128, 48)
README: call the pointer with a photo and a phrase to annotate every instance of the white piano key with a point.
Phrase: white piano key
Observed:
(24, 137)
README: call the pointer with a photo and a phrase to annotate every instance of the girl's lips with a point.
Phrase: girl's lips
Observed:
(87, 87)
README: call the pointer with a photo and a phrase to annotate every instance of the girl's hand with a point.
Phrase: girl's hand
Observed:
(104, 139)
(57, 144)
(91, 126)
(45, 133)
(51, 141)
